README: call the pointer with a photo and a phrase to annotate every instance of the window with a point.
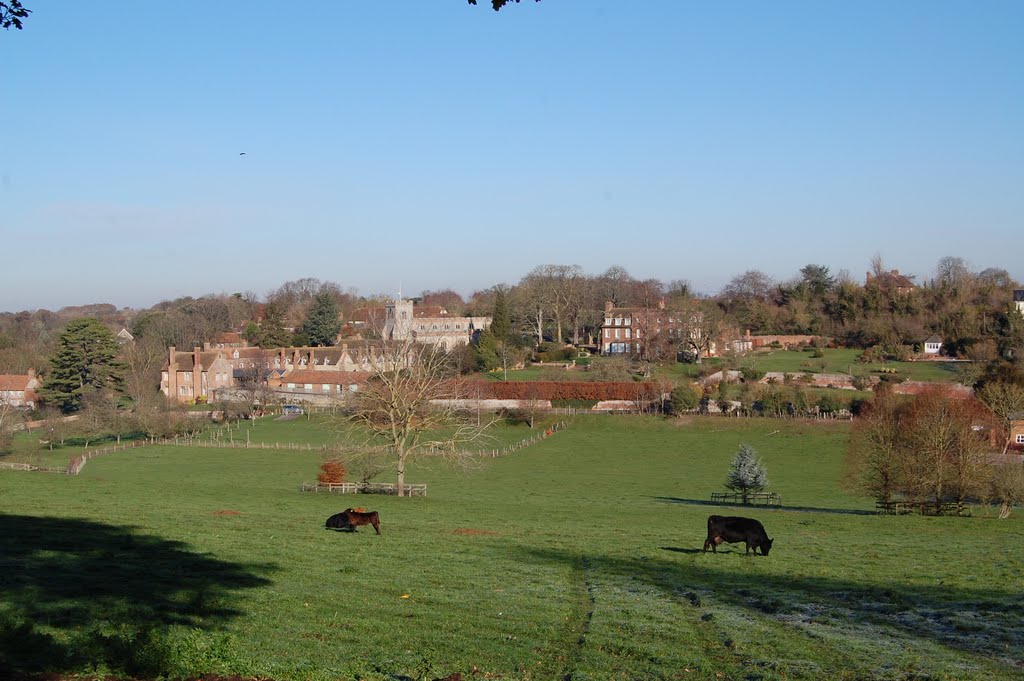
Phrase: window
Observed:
(1020, 438)
(616, 333)
(291, 386)
(326, 388)
(627, 332)
(309, 387)
(607, 321)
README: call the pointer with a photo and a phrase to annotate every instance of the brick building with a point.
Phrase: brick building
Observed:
(19, 390)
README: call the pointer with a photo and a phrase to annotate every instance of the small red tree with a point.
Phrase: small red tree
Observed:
(332, 472)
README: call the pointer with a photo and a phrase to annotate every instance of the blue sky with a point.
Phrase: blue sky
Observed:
(434, 144)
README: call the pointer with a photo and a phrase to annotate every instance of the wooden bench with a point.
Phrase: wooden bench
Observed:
(767, 498)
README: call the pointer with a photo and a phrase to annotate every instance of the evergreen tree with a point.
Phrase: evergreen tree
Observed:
(322, 321)
(501, 322)
(86, 362)
(487, 351)
(272, 333)
(746, 474)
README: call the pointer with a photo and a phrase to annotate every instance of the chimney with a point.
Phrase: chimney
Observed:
(206, 346)
(608, 305)
(196, 361)
(661, 303)
(170, 355)
(31, 374)
(748, 334)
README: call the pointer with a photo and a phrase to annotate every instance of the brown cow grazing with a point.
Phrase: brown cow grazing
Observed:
(735, 529)
(350, 519)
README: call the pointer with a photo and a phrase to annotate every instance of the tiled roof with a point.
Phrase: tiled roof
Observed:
(14, 382)
(329, 377)
(367, 314)
(429, 311)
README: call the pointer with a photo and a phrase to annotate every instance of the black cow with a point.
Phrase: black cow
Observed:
(735, 529)
(350, 518)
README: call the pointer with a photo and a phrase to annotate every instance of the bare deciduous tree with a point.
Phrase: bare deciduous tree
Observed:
(873, 459)
(1005, 399)
(407, 407)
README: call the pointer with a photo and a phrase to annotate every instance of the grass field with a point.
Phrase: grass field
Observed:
(576, 558)
(833, 361)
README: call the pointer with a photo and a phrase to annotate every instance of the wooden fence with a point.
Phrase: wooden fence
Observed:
(30, 467)
(78, 461)
(411, 489)
(238, 444)
(922, 507)
(523, 444)
(767, 498)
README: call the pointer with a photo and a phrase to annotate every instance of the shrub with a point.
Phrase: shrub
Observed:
(574, 404)
(751, 375)
(332, 472)
(565, 390)
(683, 399)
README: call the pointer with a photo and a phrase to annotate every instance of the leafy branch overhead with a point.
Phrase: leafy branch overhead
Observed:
(12, 12)
(498, 4)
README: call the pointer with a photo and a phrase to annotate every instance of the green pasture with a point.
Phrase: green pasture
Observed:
(577, 558)
(833, 361)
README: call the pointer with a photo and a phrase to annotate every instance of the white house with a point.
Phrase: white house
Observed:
(933, 345)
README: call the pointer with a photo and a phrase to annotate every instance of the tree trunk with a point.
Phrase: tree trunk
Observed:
(401, 475)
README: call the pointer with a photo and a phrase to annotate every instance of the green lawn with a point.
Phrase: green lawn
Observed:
(576, 558)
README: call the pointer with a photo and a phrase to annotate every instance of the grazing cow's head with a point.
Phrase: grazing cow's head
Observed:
(766, 545)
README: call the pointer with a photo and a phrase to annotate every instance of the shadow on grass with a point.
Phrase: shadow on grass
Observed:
(77, 595)
(805, 509)
(988, 621)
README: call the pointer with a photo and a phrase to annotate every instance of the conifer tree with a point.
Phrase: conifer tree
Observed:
(746, 474)
(86, 362)
(501, 322)
(272, 333)
(322, 321)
